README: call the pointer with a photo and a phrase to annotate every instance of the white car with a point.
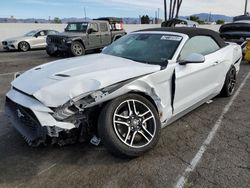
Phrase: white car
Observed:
(31, 40)
(125, 95)
(178, 22)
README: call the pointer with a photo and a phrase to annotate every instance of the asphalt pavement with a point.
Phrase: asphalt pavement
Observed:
(225, 161)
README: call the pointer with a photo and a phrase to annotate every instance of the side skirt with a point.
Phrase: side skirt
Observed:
(177, 116)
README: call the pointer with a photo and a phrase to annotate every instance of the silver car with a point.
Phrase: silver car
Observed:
(31, 40)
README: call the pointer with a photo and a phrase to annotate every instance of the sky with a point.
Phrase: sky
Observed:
(118, 8)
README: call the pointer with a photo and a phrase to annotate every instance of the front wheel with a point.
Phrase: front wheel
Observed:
(129, 126)
(51, 53)
(77, 49)
(230, 82)
(24, 46)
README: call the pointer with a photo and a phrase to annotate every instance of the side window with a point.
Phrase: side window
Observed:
(200, 44)
(103, 27)
(40, 33)
(94, 27)
(51, 32)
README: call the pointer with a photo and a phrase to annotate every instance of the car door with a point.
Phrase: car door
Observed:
(105, 34)
(39, 40)
(196, 82)
(94, 38)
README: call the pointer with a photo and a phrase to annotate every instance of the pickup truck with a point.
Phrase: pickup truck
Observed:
(80, 37)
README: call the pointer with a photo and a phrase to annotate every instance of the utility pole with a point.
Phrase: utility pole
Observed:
(158, 13)
(246, 7)
(85, 14)
(155, 17)
(165, 10)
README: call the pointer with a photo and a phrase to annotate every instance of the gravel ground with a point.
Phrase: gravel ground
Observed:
(226, 162)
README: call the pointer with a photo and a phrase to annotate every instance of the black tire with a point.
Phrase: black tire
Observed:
(128, 140)
(50, 53)
(77, 49)
(23, 46)
(230, 82)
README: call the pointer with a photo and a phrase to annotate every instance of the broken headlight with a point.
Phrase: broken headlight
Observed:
(77, 105)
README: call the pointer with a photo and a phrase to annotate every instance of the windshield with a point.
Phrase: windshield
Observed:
(145, 48)
(31, 33)
(77, 27)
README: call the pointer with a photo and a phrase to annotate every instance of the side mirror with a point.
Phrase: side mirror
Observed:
(193, 58)
(89, 31)
(36, 35)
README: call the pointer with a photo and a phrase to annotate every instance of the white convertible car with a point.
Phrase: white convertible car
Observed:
(125, 95)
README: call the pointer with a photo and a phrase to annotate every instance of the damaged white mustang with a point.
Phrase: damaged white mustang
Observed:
(123, 96)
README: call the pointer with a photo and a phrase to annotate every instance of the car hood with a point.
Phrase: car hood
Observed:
(70, 34)
(17, 38)
(57, 82)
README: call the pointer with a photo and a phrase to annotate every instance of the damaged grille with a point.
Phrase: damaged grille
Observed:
(4, 43)
(25, 121)
(56, 40)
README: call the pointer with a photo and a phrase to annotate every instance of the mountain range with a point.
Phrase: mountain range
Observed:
(211, 17)
(202, 16)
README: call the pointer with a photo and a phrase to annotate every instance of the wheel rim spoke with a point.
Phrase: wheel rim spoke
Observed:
(145, 120)
(144, 136)
(129, 108)
(122, 123)
(134, 106)
(127, 136)
(144, 128)
(144, 114)
(132, 139)
(121, 116)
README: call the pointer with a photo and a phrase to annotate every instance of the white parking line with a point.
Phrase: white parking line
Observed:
(45, 170)
(182, 180)
(9, 73)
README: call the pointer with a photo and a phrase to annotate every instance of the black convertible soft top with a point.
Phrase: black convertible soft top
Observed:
(192, 32)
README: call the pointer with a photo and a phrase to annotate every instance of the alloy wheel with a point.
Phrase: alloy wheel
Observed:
(24, 46)
(77, 49)
(134, 123)
(232, 81)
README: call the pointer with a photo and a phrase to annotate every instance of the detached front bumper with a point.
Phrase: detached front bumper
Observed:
(32, 119)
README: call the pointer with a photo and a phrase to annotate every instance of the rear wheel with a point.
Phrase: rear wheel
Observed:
(77, 49)
(23, 46)
(129, 126)
(230, 82)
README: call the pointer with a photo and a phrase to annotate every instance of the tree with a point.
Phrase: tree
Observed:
(57, 20)
(174, 8)
(196, 19)
(145, 19)
(220, 22)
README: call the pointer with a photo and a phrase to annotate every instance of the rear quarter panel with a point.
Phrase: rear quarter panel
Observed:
(228, 56)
